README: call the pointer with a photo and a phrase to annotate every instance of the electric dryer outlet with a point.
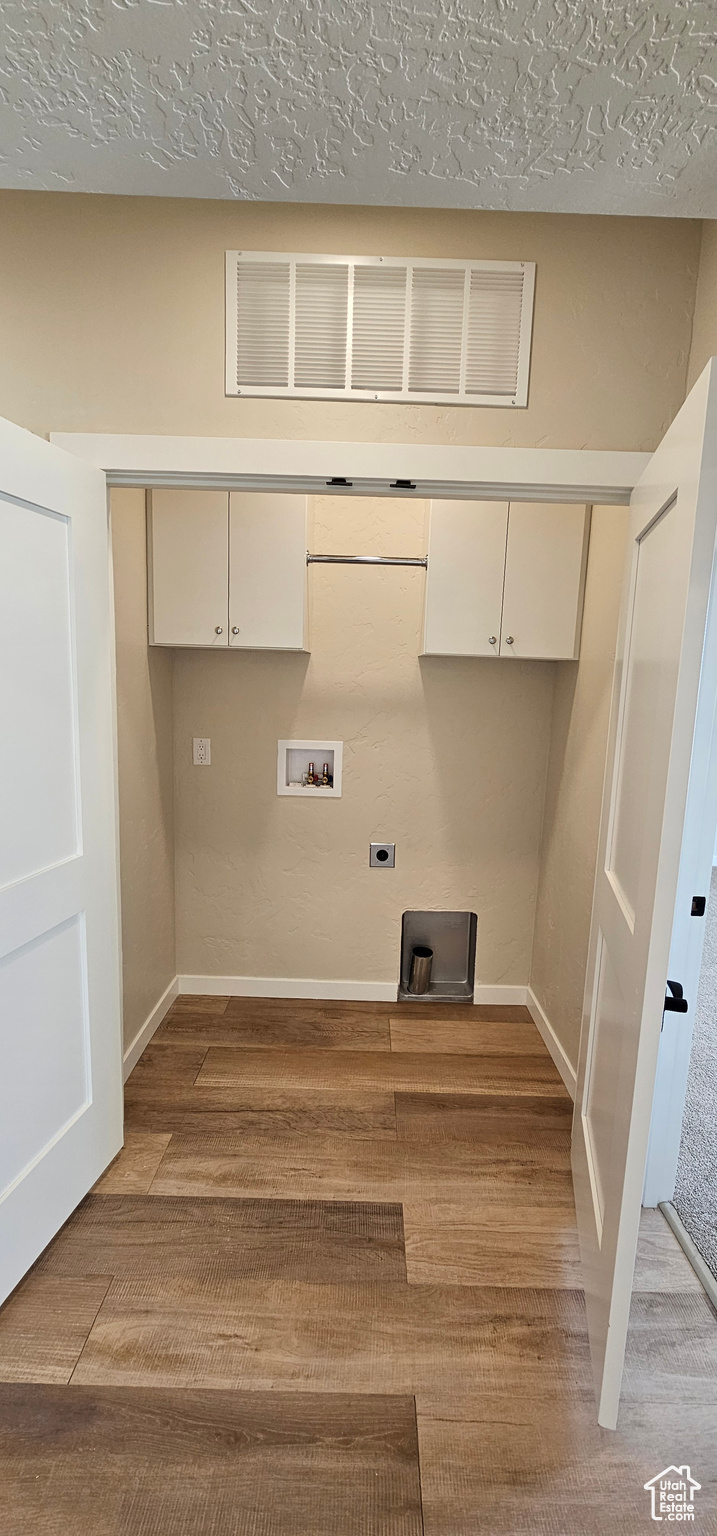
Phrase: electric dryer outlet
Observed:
(382, 855)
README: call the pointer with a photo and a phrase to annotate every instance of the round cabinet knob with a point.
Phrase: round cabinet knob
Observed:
(218, 630)
(235, 629)
(509, 639)
(491, 639)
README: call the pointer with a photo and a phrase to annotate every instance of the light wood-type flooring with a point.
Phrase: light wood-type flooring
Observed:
(331, 1287)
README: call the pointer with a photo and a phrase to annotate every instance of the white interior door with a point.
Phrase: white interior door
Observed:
(61, 1080)
(662, 635)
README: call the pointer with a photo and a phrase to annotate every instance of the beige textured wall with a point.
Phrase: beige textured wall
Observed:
(704, 330)
(146, 791)
(574, 788)
(445, 757)
(112, 318)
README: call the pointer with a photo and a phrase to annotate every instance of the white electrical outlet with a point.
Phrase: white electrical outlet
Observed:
(201, 751)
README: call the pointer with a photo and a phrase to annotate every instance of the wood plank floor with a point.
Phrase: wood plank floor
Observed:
(96, 1461)
(331, 1287)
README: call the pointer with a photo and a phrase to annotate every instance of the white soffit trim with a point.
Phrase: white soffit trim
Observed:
(368, 469)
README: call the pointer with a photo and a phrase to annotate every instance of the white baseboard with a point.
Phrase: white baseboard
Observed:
(562, 1062)
(339, 991)
(501, 997)
(288, 986)
(152, 1023)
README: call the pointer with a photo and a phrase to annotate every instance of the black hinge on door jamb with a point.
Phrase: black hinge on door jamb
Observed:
(675, 1001)
(699, 906)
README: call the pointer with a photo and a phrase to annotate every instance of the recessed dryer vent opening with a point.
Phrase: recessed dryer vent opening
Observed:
(452, 938)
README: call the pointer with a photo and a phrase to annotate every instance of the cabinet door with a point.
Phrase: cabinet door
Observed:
(189, 568)
(267, 571)
(544, 581)
(464, 589)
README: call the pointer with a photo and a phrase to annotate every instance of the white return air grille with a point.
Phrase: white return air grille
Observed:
(379, 328)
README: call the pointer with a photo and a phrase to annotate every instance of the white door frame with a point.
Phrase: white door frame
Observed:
(688, 932)
(429, 471)
(369, 469)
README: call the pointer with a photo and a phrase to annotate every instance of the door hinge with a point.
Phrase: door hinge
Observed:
(675, 1001)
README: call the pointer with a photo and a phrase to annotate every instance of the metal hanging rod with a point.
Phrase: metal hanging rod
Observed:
(366, 560)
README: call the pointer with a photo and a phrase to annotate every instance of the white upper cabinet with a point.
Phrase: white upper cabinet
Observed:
(267, 571)
(505, 579)
(227, 570)
(464, 591)
(544, 581)
(188, 539)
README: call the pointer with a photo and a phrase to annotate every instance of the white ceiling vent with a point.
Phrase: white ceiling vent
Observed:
(379, 328)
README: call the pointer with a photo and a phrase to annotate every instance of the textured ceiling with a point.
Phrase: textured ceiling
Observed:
(561, 105)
